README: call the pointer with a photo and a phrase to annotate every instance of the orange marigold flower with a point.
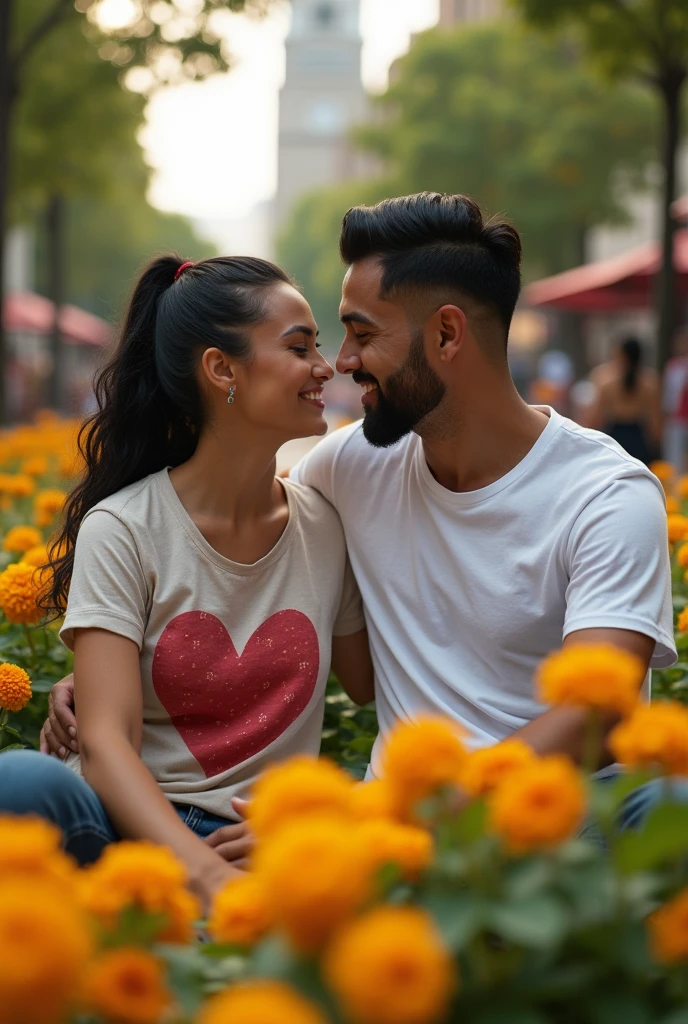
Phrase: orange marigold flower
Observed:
(682, 487)
(19, 592)
(672, 505)
(37, 556)
(30, 849)
(35, 465)
(593, 676)
(420, 758)
(45, 943)
(663, 470)
(314, 877)
(128, 986)
(655, 734)
(682, 621)
(296, 788)
(240, 912)
(485, 769)
(371, 800)
(669, 930)
(144, 875)
(386, 842)
(539, 805)
(682, 556)
(16, 485)
(677, 527)
(391, 967)
(15, 687)
(21, 538)
(47, 504)
(260, 1002)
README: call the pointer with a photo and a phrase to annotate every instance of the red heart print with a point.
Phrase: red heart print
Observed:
(227, 706)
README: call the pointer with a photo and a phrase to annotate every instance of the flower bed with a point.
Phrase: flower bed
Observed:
(456, 890)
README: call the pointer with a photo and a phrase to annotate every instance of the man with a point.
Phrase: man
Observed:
(483, 532)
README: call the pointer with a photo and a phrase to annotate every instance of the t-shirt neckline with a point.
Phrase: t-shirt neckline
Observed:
(464, 499)
(208, 551)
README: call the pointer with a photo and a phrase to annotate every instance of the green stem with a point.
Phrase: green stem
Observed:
(32, 647)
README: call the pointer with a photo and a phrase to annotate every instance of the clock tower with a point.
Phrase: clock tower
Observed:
(322, 98)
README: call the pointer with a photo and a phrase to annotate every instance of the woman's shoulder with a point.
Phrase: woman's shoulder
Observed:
(130, 504)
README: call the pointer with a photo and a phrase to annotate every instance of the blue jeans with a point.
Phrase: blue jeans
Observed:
(33, 783)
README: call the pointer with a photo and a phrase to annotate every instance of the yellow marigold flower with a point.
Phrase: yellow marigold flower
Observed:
(593, 676)
(240, 912)
(391, 967)
(682, 487)
(45, 944)
(127, 986)
(21, 538)
(672, 505)
(663, 470)
(538, 805)
(260, 1002)
(682, 556)
(37, 556)
(298, 787)
(35, 465)
(669, 930)
(421, 757)
(15, 687)
(677, 527)
(47, 504)
(386, 842)
(371, 800)
(682, 621)
(143, 875)
(485, 769)
(314, 877)
(655, 734)
(17, 485)
(19, 592)
(30, 849)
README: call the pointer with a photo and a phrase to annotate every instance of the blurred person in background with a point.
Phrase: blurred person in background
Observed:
(675, 404)
(627, 402)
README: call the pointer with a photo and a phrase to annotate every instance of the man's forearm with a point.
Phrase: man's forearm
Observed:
(566, 730)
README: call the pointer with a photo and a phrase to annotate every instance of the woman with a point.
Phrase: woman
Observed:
(203, 592)
(627, 404)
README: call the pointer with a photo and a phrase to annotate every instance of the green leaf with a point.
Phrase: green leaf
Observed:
(663, 838)
(538, 922)
(11, 732)
(42, 685)
(617, 1007)
(12, 746)
(459, 915)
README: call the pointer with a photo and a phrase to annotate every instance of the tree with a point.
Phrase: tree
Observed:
(170, 41)
(517, 121)
(645, 41)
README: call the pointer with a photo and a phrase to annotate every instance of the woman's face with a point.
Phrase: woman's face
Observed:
(280, 387)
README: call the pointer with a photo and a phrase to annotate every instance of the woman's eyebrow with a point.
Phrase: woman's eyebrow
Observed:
(300, 329)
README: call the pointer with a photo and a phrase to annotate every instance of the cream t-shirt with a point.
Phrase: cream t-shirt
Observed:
(234, 658)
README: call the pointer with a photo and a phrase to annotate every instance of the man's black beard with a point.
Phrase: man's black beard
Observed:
(411, 392)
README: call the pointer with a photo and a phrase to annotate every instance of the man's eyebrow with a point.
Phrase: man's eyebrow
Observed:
(300, 329)
(359, 318)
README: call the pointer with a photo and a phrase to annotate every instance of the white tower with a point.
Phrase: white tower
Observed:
(322, 98)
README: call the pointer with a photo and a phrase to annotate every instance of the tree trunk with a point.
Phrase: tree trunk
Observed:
(55, 250)
(7, 91)
(572, 325)
(666, 292)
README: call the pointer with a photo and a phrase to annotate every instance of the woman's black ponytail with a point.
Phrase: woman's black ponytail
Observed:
(632, 353)
(150, 408)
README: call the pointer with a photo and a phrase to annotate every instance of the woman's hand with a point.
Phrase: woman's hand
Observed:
(233, 842)
(59, 732)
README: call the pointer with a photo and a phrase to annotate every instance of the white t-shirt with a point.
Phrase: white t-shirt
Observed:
(465, 593)
(234, 658)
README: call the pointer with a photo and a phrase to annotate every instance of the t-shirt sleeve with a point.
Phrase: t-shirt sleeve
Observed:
(350, 617)
(108, 588)
(618, 562)
(317, 468)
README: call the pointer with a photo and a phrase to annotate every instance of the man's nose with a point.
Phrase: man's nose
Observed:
(348, 359)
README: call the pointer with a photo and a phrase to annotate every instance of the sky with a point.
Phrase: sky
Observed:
(213, 145)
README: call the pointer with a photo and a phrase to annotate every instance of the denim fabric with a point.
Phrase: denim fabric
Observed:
(33, 783)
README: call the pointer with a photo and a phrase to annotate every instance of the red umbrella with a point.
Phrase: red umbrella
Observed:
(34, 314)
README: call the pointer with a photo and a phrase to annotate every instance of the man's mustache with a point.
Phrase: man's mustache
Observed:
(361, 377)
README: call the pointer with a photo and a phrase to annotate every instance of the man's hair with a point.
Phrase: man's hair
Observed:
(433, 242)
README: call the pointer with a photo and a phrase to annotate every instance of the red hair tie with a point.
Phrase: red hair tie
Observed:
(182, 268)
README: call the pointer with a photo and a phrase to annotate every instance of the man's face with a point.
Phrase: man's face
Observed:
(386, 356)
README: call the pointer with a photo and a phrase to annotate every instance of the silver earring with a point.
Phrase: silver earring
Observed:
(230, 398)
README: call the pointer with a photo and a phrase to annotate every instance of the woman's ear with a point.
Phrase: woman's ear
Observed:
(218, 369)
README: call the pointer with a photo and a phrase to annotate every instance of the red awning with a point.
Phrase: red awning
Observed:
(34, 314)
(625, 282)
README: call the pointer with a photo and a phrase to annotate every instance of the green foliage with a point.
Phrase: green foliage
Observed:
(348, 731)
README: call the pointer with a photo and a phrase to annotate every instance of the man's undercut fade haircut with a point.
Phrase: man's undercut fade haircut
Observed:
(437, 243)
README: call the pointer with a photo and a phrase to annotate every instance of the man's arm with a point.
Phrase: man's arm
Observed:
(562, 730)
